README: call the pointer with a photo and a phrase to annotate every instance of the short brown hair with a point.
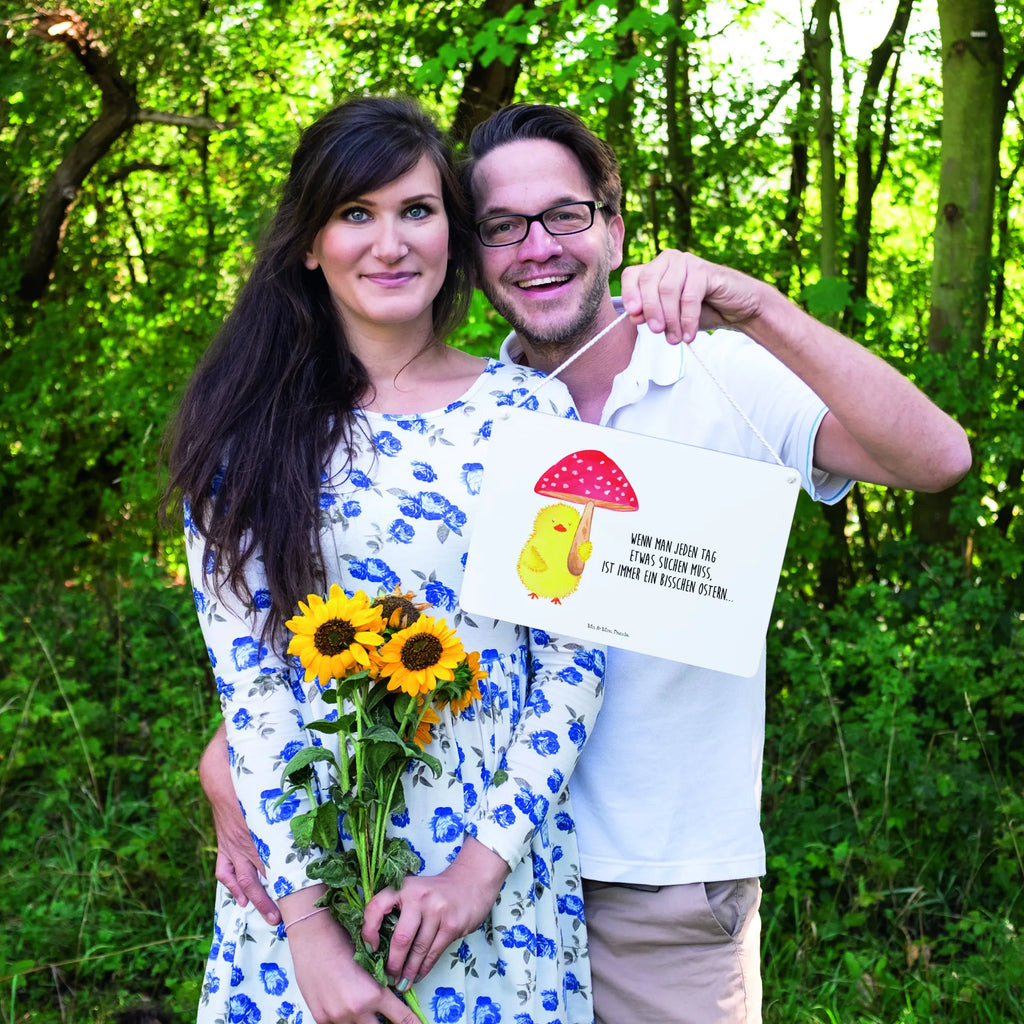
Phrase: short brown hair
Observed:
(521, 121)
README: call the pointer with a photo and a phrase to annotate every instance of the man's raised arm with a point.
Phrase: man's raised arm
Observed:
(881, 428)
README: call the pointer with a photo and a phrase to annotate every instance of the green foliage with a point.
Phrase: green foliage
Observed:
(105, 842)
(892, 769)
(893, 821)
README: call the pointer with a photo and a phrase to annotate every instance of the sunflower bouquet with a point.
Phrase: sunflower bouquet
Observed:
(390, 669)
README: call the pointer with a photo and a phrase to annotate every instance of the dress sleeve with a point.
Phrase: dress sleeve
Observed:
(563, 698)
(264, 707)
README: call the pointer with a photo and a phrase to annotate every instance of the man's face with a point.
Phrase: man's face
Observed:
(552, 289)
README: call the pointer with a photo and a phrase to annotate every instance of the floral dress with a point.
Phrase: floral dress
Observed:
(402, 517)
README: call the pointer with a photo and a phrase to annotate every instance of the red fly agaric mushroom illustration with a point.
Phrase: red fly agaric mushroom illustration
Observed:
(592, 479)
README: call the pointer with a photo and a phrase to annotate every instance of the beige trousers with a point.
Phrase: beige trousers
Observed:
(675, 954)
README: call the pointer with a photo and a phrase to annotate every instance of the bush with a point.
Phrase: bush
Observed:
(105, 842)
(893, 822)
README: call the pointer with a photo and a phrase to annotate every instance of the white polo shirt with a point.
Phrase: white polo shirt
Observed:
(668, 789)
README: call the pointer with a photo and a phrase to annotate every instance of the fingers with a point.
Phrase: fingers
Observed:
(416, 946)
(241, 878)
(410, 943)
(691, 305)
(394, 1009)
(653, 292)
(373, 916)
(251, 887)
(224, 872)
(420, 936)
(410, 939)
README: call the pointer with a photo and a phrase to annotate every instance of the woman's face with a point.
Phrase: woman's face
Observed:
(384, 254)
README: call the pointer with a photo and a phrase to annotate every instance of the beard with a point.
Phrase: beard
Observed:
(565, 336)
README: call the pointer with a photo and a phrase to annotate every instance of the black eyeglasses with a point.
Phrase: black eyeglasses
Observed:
(564, 219)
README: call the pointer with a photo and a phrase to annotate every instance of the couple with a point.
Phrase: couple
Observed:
(371, 251)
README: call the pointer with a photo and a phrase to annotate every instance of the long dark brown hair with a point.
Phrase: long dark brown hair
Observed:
(275, 394)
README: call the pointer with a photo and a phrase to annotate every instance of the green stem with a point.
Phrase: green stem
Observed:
(403, 730)
(381, 824)
(414, 1004)
(343, 759)
(360, 834)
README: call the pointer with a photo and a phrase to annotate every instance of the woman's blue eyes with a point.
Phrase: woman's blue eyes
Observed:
(357, 215)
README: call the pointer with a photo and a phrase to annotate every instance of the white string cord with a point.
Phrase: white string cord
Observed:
(732, 401)
(690, 349)
(572, 359)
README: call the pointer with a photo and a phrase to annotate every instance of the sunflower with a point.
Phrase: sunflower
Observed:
(399, 610)
(472, 691)
(424, 734)
(332, 637)
(417, 657)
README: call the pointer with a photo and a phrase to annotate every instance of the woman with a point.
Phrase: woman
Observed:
(330, 436)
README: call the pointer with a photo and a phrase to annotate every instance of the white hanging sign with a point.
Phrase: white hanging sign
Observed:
(630, 541)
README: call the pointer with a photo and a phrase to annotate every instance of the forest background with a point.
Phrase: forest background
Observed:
(865, 157)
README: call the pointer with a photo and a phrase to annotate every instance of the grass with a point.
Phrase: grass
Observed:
(892, 808)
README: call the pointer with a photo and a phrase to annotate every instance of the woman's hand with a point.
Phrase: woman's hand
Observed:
(336, 989)
(435, 910)
(238, 865)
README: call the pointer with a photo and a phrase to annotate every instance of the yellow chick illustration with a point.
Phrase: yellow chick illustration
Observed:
(543, 562)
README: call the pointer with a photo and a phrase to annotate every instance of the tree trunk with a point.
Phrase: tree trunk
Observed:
(973, 107)
(486, 89)
(869, 172)
(819, 51)
(792, 282)
(835, 563)
(118, 108)
(679, 132)
(618, 131)
(119, 113)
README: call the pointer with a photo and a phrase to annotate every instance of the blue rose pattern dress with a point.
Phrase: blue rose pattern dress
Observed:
(402, 516)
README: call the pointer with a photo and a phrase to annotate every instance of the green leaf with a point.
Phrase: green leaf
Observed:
(828, 297)
(299, 770)
(380, 733)
(386, 760)
(429, 760)
(330, 726)
(338, 869)
(372, 963)
(398, 861)
(302, 826)
(380, 695)
(325, 827)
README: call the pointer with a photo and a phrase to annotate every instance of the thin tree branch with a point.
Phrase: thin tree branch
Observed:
(127, 170)
(1014, 79)
(207, 124)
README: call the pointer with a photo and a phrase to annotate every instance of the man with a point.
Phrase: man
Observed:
(667, 791)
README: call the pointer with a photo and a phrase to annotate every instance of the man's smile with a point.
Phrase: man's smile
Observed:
(540, 282)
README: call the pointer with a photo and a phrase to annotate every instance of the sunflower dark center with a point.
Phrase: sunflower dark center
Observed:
(421, 651)
(334, 636)
(391, 603)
